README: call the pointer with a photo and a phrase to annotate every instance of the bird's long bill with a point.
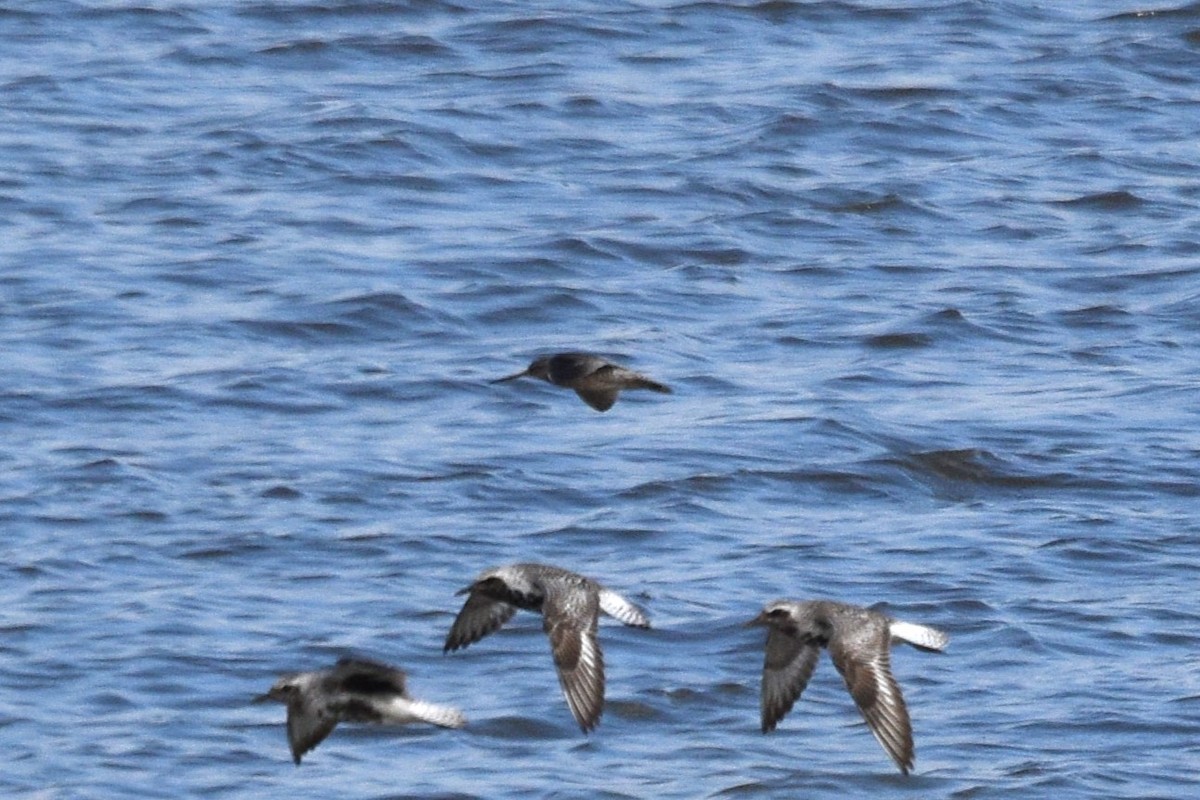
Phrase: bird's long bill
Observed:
(464, 590)
(761, 619)
(512, 377)
(263, 698)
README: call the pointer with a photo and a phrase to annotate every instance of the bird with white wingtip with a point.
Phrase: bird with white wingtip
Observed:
(859, 641)
(354, 690)
(570, 605)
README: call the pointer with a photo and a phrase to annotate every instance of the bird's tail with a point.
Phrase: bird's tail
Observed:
(921, 637)
(405, 710)
(642, 382)
(618, 607)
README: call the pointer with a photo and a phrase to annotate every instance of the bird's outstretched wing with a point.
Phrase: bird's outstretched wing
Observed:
(570, 614)
(787, 666)
(878, 697)
(367, 677)
(479, 616)
(307, 725)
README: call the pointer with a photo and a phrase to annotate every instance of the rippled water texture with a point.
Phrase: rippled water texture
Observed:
(924, 278)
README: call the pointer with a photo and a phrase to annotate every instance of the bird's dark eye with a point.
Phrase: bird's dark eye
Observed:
(776, 613)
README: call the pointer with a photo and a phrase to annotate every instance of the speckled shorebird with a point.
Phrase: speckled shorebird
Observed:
(593, 378)
(570, 606)
(859, 641)
(355, 690)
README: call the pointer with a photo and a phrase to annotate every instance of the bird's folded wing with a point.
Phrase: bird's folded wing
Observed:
(599, 399)
(367, 677)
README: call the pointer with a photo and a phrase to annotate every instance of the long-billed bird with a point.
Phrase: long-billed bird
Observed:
(596, 380)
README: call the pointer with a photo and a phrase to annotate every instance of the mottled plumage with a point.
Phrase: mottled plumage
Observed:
(355, 690)
(596, 380)
(859, 642)
(570, 606)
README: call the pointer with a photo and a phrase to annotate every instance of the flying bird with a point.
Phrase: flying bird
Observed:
(596, 380)
(570, 606)
(355, 690)
(859, 641)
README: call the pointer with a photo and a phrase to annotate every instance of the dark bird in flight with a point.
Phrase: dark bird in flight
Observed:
(596, 380)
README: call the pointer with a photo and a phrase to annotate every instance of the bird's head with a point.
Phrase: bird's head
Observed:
(777, 614)
(538, 368)
(283, 691)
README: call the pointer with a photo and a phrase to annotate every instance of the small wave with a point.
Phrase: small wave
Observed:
(1097, 316)
(971, 467)
(1106, 201)
(1186, 11)
(518, 729)
(302, 330)
(892, 341)
(301, 47)
(281, 492)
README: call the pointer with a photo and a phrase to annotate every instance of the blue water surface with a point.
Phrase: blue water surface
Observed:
(925, 279)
